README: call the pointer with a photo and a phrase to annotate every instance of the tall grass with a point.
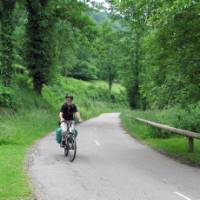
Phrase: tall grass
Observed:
(30, 119)
(18, 132)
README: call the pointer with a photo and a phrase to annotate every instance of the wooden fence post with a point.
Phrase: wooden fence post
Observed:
(191, 144)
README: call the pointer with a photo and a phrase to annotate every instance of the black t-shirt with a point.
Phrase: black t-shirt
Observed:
(68, 111)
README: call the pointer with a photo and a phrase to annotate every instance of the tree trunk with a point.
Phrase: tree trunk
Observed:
(133, 87)
(39, 45)
(137, 66)
(110, 80)
(6, 65)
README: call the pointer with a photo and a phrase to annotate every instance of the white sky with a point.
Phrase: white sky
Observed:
(103, 3)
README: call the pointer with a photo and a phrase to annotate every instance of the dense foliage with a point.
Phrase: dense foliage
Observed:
(45, 38)
(7, 28)
(163, 60)
(151, 47)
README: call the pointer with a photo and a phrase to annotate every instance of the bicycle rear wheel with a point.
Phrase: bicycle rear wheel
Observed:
(72, 150)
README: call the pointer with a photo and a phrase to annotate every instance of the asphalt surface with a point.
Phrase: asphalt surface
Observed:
(110, 165)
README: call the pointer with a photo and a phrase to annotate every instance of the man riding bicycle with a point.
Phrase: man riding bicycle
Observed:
(67, 114)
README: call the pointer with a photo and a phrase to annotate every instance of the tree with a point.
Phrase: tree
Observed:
(40, 42)
(163, 57)
(43, 17)
(6, 37)
(171, 58)
(108, 53)
(134, 13)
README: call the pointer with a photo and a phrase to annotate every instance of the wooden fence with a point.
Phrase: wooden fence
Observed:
(189, 134)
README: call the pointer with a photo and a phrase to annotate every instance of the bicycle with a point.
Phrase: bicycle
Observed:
(70, 146)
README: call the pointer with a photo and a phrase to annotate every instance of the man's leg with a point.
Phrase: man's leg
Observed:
(73, 129)
(63, 127)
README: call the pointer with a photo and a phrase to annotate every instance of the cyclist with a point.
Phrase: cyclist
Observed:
(68, 112)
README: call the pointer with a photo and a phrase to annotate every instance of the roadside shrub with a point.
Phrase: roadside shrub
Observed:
(23, 80)
(159, 133)
(188, 118)
(6, 97)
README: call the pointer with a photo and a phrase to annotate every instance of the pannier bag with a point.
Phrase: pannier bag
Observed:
(58, 135)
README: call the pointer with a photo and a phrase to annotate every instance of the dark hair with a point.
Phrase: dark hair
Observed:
(69, 96)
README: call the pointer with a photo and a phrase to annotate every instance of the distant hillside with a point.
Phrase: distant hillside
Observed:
(91, 97)
(99, 17)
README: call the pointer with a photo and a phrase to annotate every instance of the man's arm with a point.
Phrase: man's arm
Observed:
(61, 116)
(78, 116)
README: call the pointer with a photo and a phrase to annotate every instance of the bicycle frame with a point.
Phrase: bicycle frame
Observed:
(70, 141)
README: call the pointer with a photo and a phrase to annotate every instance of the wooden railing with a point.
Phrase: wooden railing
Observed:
(189, 134)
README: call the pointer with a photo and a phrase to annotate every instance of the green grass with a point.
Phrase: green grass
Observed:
(34, 116)
(116, 88)
(92, 98)
(173, 145)
(18, 132)
(13, 183)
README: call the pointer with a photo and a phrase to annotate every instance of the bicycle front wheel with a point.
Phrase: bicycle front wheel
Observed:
(66, 150)
(72, 150)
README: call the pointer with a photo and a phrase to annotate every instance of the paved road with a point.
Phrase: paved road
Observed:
(110, 165)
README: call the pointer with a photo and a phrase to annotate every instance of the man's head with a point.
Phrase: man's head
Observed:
(69, 99)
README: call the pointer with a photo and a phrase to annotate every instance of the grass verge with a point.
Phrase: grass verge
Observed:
(18, 132)
(173, 145)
